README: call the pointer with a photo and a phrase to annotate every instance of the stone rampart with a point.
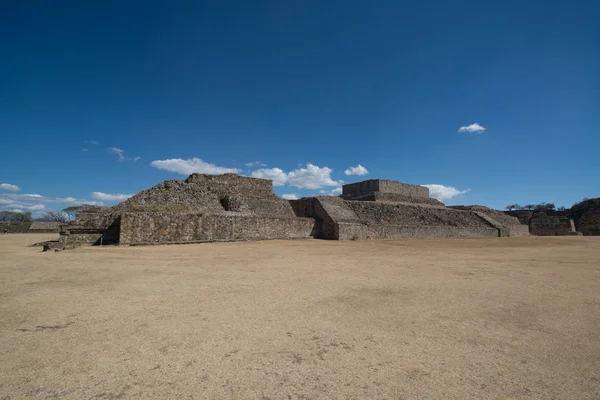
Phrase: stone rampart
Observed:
(157, 228)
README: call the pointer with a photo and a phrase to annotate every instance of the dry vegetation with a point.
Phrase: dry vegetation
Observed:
(406, 319)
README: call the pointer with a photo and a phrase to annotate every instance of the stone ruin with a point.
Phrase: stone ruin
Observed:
(208, 208)
(547, 223)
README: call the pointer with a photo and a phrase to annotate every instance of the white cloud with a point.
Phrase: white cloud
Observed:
(37, 203)
(95, 142)
(311, 177)
(277, 175)
(187, 167)
(358, 170)
(84, 149)
(442, 192)
(121, 154)
(290, 196)
(110, 196)
(66, 200)
(473, 128)
(333, 192)
(9, 187)
(255, 164)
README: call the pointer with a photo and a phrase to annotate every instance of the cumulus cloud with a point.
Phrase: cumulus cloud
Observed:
(9, 187)
(277, 175)
(358, 170)
(189, 166)
(95, 142)
(291, 196)
(110, 196)
(311, 177)
(442, 192)
(473, 128)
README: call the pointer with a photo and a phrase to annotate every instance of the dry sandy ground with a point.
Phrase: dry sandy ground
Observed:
(515, 318)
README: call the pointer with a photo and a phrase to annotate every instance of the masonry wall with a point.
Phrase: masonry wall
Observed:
(384, 186)
(393, 198)
(44, 226)
(210, 194)
(507, 224)
(541, 224)
(15, 227)
(342, 220)
(590, 223)
(162, 228)
(346, 231)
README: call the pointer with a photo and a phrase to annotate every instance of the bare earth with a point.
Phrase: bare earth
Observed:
(515, 318)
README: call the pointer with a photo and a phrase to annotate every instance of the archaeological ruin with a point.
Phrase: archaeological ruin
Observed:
(546, 223)
(229, 207)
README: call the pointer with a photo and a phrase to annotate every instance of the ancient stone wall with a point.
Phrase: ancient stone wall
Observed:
(350, 231)
(549, 223)
(590, 223)
(341, 220)
(393, 198)
(542, 224)
(15, 227)
(384, 186)
(157, 228)
(508, 225)
(44, 226)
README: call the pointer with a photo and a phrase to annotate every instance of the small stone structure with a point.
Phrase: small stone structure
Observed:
(30, 227)
(545, 223)
(207, 208)
(384, 190)
(44, 226)
(542, 224)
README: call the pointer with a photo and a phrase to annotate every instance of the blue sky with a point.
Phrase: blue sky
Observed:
(114, 97)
